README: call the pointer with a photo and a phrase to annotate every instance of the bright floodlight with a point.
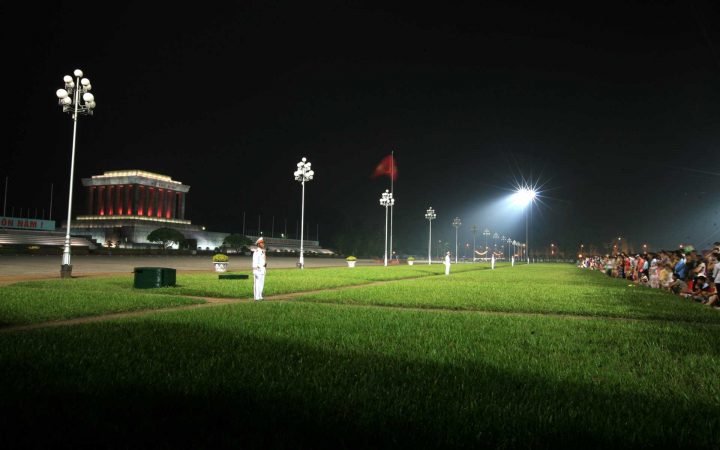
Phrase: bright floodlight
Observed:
(524, 196)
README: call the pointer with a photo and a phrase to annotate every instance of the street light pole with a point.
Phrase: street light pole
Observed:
(486, 233)
(386, 200)
(474, 230)
(430, 216)
(302, 174)
(456, 223)
(69, 99)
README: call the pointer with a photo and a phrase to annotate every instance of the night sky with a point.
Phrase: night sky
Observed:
(613, 110)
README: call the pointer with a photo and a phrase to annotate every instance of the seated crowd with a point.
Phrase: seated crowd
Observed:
(685, 272)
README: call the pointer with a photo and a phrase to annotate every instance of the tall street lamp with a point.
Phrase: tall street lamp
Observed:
(486, 233)
(430, 216)
(303, 173)
(386, 200)
(456, 223)
(70, 100)
(509, 243)
(495, 238)
(474, 230)
(525, 196)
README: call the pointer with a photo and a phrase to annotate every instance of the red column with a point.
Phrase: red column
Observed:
(173, 203)
(119, 200)
(136, 199)
(151, 202)
(128, 196)
(160, 197)
(101, 200)
(140, 200)
(109, 201)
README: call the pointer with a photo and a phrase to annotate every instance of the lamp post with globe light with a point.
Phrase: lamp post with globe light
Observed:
(430, 216)
(387, 201)
(303, 174)
(486, 233)
(70, 100)
(456, 223)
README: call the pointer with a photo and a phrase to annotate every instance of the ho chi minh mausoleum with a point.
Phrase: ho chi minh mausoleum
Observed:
(122, 207)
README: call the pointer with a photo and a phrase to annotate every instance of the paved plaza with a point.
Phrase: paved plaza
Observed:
(17, 267)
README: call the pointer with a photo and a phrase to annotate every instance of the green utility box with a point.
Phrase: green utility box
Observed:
(154, 277)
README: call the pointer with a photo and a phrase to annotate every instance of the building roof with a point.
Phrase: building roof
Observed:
(134, 176)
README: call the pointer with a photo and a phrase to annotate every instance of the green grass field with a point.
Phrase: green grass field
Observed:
(530, 356)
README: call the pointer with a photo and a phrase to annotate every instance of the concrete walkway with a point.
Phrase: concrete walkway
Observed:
(42, 266)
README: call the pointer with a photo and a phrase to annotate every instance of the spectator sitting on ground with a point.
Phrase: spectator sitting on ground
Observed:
(695, 288)
(678, 285)
(712, 299)
(702, 289)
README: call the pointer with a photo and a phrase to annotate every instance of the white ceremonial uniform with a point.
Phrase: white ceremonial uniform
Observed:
(492, 263)
(447, 264)
(258, 266)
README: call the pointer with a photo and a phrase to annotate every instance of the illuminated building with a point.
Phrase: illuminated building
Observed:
(123, 207)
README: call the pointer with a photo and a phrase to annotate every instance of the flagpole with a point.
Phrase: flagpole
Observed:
(392, 191)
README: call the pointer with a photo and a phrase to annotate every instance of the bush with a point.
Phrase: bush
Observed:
(220, 258)
(351, 258)
(166, 237)
(411, 258)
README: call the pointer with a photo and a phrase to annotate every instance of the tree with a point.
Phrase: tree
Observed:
(237, 242)
(166, 236)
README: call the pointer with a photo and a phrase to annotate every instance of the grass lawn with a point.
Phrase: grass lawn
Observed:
(538, 288)
(24, 305)
(40, 301)
(323, 373)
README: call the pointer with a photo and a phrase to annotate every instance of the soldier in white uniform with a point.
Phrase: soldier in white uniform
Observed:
(258, 267)
(447, 263)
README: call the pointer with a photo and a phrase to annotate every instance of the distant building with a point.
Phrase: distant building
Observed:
(123, 207)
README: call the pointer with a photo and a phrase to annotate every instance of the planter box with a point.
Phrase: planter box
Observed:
(221, 266)
(410, 263)
(351, 263)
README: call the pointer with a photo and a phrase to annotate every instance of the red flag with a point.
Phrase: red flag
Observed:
(388, 166)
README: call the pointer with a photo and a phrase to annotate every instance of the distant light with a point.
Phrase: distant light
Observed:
(524, 196)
